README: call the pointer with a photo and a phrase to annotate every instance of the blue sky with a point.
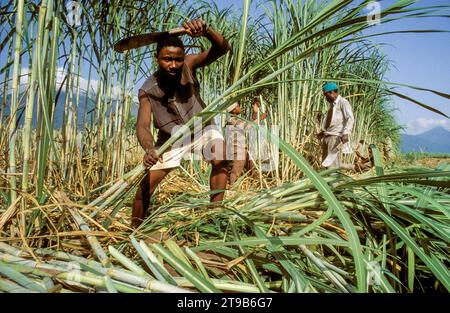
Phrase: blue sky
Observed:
(418, 59)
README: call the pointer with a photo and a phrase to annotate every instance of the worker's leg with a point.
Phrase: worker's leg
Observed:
(338, 161)
(236, 170)
(218, 179)
(141, 201)
(143, 194)
(331, 144)
(213, 148)
(219, 173)
(238, 162)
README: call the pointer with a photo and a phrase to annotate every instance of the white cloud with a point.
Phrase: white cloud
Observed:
(421, 124)
(83, 84)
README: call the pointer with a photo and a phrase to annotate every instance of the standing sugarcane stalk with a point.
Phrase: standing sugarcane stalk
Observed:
(15, 88)
(46, 83)
(26, 138)
(5, 89)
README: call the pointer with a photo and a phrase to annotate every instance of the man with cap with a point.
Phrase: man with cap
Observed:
(337, 127)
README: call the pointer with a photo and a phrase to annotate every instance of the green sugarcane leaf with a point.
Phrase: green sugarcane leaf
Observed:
(195, 278)
(435, 265)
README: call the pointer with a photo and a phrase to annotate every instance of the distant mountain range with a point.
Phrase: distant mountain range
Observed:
(59, 108)
(436, 140)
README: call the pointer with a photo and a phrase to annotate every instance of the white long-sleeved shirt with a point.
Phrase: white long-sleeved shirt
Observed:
(342, 120)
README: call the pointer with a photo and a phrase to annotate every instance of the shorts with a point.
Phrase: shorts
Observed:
(200, 146)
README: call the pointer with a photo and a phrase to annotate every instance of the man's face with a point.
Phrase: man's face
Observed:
(331, 96)
(170, 60)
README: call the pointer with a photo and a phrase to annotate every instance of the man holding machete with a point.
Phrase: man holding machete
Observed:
(171, 96)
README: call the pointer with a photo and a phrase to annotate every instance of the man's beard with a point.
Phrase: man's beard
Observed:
(168, 82)
(171, 76)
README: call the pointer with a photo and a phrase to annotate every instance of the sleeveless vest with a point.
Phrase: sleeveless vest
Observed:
(169, 111)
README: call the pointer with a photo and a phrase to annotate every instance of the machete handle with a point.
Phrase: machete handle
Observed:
(177, 31)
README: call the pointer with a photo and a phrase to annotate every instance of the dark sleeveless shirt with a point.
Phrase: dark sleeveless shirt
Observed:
(171, 110)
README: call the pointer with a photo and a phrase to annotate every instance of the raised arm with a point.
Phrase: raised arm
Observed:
(219, 45)
(262, 116)
(255, 110)
(143, 133)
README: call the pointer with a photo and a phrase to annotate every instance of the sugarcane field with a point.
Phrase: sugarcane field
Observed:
(245, 146)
